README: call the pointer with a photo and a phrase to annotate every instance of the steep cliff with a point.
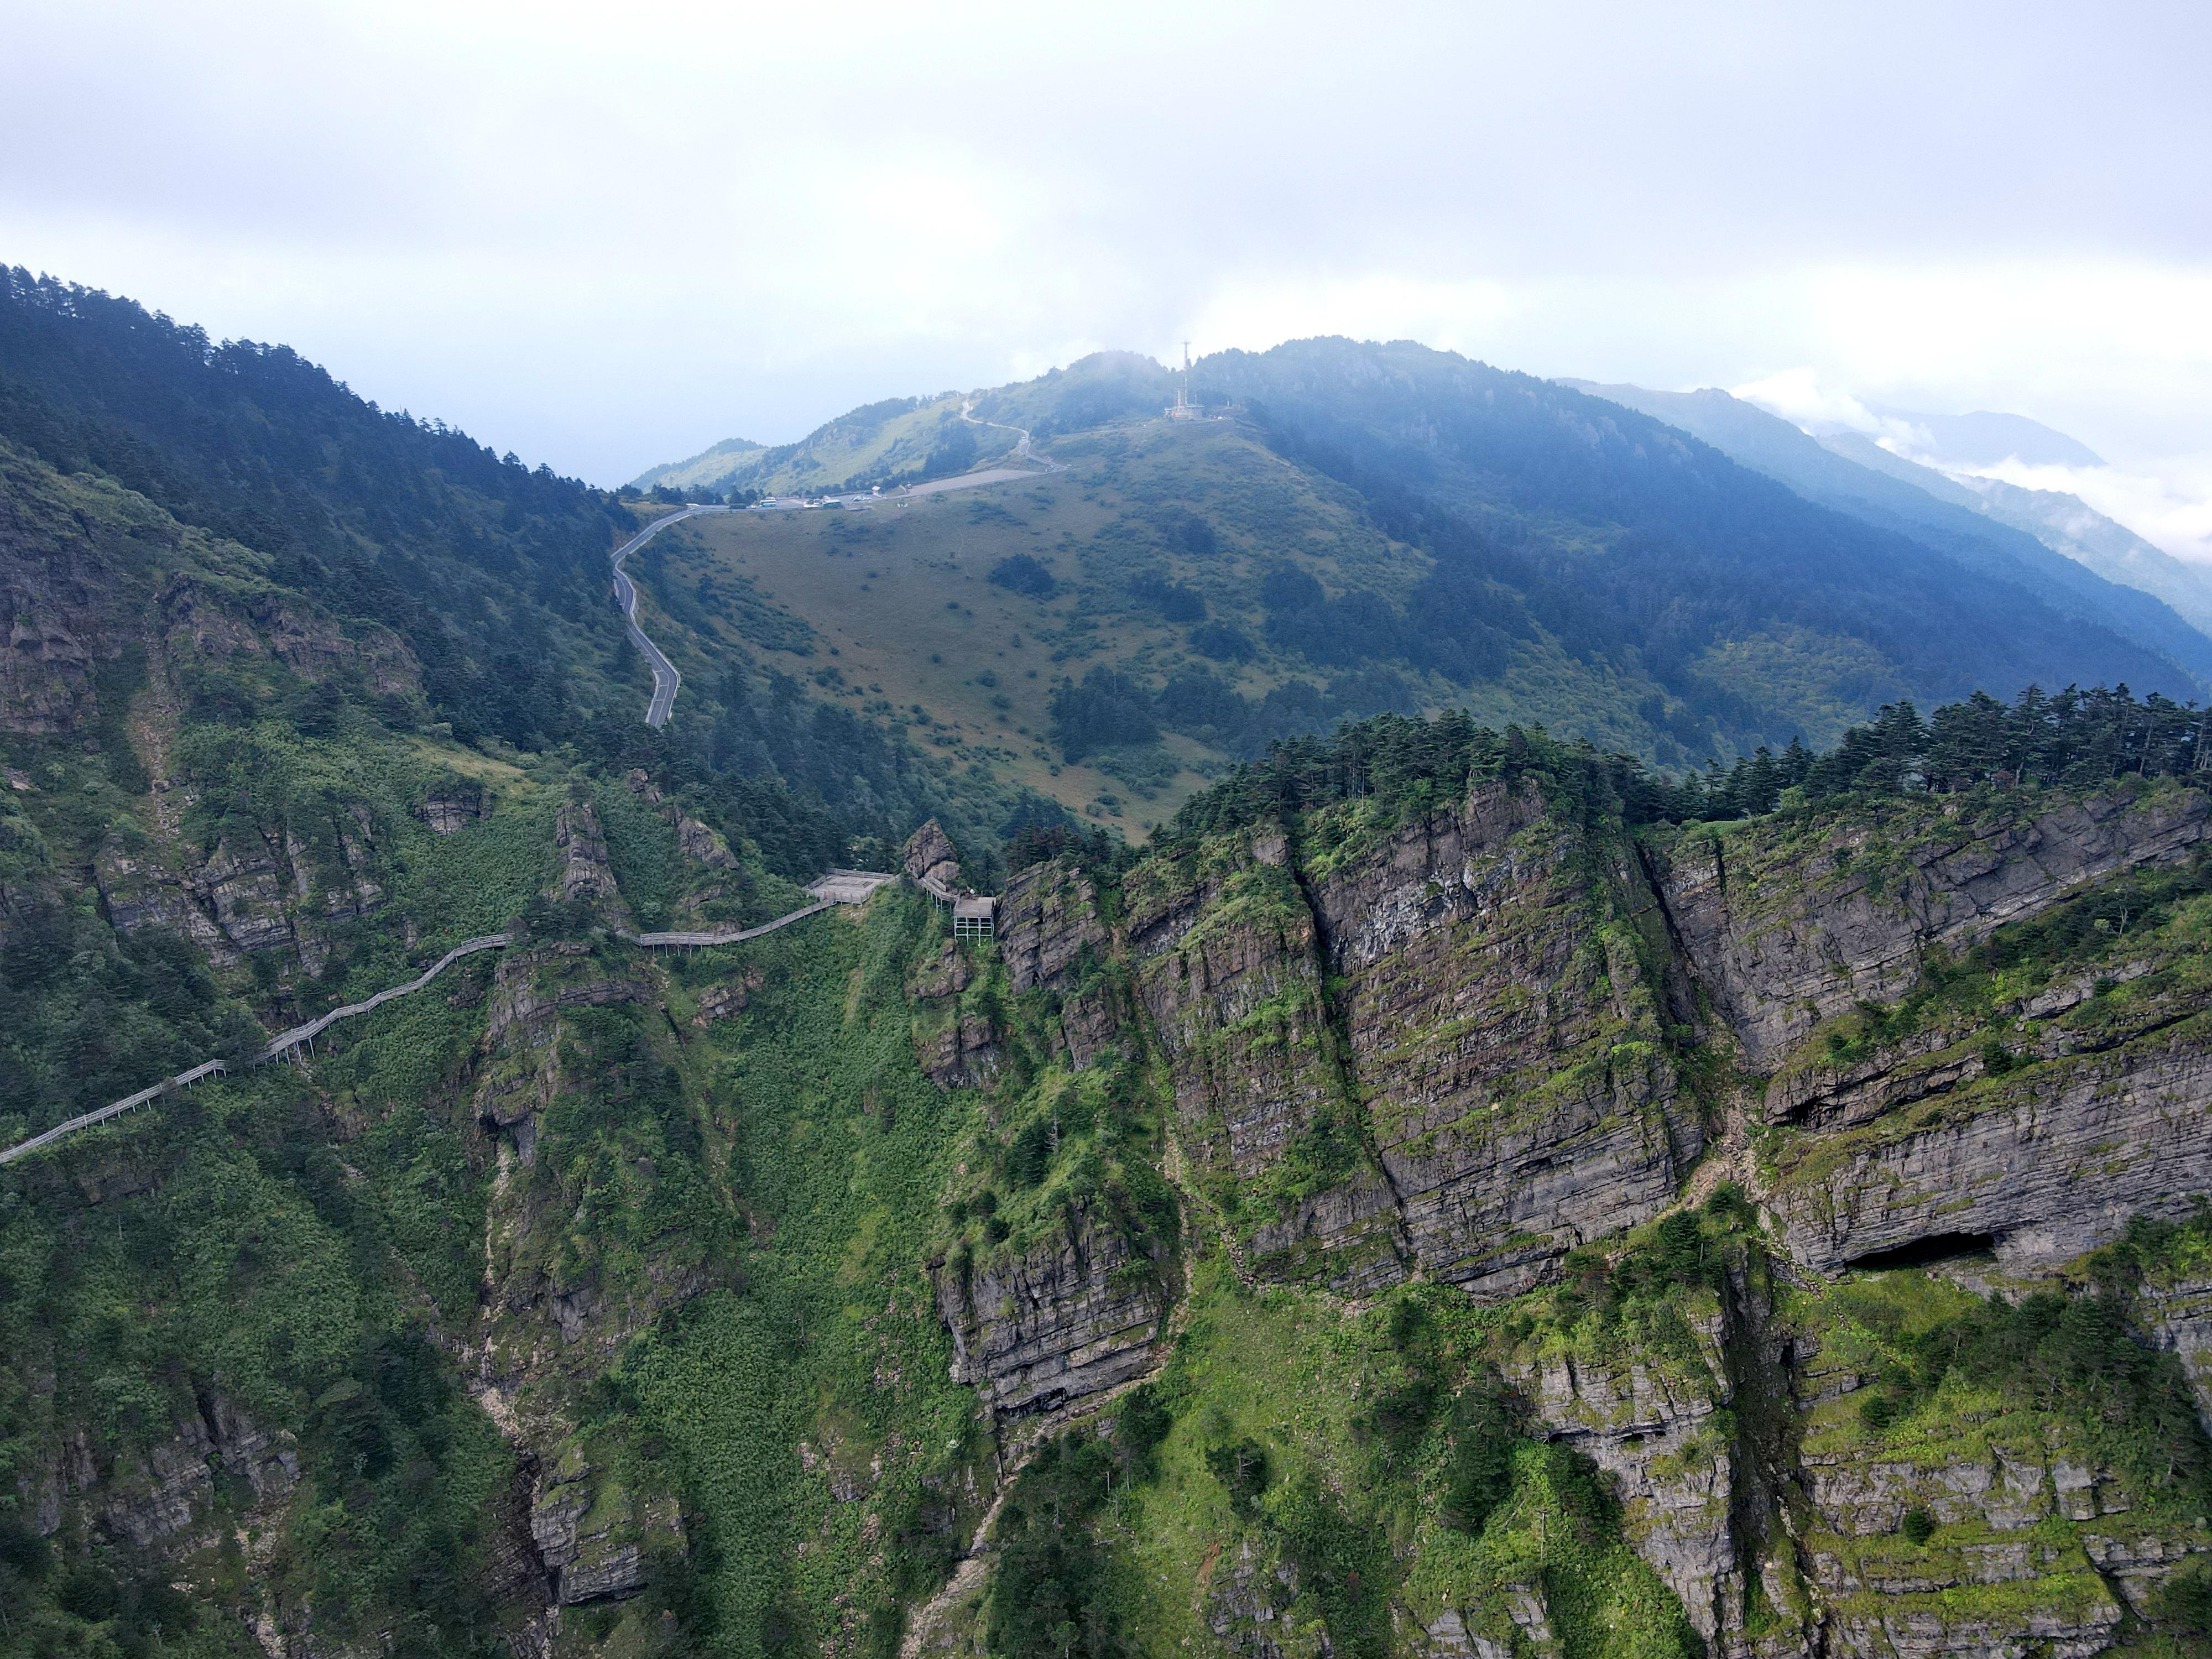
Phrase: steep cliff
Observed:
(1454, 1223)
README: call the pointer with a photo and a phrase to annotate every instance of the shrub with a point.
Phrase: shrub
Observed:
(1222, 642)
(1242, 1468)
(1022, 572)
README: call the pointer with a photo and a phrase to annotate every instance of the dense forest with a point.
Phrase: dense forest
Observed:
(493, 573)
(1641, 551)
(2069, 739)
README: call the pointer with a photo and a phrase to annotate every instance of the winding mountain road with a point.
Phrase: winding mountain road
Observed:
(666, 679)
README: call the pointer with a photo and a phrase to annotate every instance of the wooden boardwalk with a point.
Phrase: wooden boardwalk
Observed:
(837, 887)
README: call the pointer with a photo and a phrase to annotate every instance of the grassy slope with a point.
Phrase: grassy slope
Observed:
(859, 445)
(900, 594)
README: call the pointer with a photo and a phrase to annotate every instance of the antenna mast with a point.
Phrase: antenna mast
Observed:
(1184, 409)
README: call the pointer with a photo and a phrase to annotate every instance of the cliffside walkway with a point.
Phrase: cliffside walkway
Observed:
(834, 888)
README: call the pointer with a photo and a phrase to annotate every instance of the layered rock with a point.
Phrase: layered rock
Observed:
(585, 874)
(1048, 921)
(165, 1497)
(2040, 1165)
(1785, 927)
(451, 807)
(1503, 1040)
(139, 893)
(593, 1536)
(956, 1044)
(2178, 1315)
(1648, 1421)
(1042, 1331)
(530, 987)
(1227, 965)
(2024, 1525)
(961, 1051)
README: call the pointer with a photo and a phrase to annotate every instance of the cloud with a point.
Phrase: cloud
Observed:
(2170, 509)
(605, 236)
(2168, 504)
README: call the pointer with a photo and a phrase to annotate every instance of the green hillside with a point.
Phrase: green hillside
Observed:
(1363, 530)
(1456, 1192)
(1147, 559)
(900, 440)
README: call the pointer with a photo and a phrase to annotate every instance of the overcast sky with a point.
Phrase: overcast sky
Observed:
(606, 236)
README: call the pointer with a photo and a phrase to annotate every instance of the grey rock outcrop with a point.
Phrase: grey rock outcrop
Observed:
(2041, 1170)
(1652, 1428)
(1227, 966)
(1785, 931)
(1503, 1033)
(592, 1535)
(1040, 1332)
(451, 808)
(585, 873)
(1047, 919)
(929, 856)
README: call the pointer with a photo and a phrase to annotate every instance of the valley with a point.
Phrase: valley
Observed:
(1578, 1057)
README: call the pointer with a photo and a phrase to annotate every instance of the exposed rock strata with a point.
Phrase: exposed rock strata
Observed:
(1036, 1332)
(1650, 1425)
(1784, 936)
(592, 1535)
(1502, 1039)
(585, 874)
(1047, 919)
(2048, 1164)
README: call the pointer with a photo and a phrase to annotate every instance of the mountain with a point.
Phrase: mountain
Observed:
(2064, 523)
(897, 440)
(710, 465)
(1346, 1219)
(1368, 528)
(1854, 475)
(1983, 438)
(1457, 1190)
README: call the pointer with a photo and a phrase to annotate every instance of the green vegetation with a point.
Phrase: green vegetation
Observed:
(653, 1271)
(820, 1368)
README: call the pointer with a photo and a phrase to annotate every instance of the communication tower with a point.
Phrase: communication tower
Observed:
(1183, 409)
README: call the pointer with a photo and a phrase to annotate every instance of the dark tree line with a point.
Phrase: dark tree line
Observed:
(1108, 709)
(2069, 739)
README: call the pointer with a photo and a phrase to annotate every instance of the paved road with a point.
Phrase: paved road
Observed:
(666, 679)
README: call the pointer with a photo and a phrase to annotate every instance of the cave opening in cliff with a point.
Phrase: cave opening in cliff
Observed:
(1925, 1252)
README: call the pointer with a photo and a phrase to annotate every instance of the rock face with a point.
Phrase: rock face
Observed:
(164, 1498)
(1037, 1331)
(593, 1536)
(529, 989)
(451, 809)
(1650, 1424)
(1783, 933)
(2179, 1317)
(930, 857)
(2041, 1171)
(1502, 1031)
(1048, 921)
(585, 873)
(1228, 968)
(2026, 1529)
(1460, 998)
(956, 1043)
